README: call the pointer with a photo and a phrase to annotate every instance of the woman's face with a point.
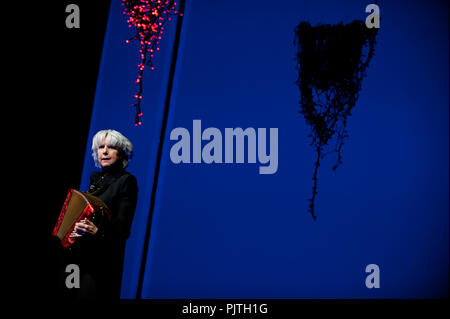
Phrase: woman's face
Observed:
(107, 154)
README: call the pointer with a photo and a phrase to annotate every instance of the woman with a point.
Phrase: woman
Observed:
(99, 250)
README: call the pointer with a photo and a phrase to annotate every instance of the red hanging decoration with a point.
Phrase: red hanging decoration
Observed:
(148, 17)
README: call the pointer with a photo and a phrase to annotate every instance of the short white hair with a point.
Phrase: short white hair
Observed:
(115, 139)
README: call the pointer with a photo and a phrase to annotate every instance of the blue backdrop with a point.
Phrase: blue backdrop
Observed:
(225, 231)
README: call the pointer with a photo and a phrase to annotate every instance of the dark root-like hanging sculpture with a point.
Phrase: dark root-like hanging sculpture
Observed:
(331, 62)
(148, 17)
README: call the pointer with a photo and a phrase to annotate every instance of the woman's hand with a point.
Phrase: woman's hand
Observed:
(84, 227)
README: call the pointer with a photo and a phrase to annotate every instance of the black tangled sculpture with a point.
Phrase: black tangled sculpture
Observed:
(332, 61)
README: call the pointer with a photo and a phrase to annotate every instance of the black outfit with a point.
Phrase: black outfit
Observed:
(100, 256)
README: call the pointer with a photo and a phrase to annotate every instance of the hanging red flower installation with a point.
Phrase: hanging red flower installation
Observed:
(332, 61)
(148, 17)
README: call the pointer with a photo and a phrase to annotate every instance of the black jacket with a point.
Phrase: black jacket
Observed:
(118, 190)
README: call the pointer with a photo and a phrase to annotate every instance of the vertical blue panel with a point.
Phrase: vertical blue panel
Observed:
(224, 231)
(113, 110)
